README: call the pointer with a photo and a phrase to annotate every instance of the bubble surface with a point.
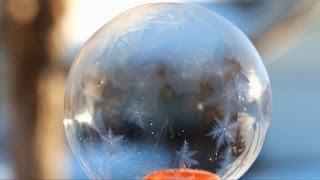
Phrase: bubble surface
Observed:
(167, 86)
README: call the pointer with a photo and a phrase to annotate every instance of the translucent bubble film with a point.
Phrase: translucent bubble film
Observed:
(168, 88)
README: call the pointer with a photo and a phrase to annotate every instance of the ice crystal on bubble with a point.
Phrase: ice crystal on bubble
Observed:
(185, 156)
(224, 131)
(112, 142)
(137, 113)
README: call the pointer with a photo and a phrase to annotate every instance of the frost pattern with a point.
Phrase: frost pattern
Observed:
(113, 142)
(193, 68)
(185, 156)
(137, 114)
(224, 131)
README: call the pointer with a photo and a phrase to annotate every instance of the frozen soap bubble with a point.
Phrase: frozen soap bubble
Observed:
(167, 90)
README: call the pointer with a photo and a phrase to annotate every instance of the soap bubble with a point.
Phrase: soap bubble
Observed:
(169, 90)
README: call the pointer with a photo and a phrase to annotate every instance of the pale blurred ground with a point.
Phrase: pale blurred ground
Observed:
(286, 33)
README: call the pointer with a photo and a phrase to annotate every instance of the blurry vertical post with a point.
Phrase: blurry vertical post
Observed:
(27, 27)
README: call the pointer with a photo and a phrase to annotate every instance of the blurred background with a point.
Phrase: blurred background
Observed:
(40, 38)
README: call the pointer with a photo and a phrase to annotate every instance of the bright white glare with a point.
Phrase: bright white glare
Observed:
(255, 90)
(84, 118)
(200, 106)
(81, 118)
(67, 122)
(84, 17)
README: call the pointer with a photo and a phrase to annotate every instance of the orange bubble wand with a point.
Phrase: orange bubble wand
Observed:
(182, 173)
